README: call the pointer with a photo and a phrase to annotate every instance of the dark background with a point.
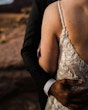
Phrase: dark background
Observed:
(17, 89)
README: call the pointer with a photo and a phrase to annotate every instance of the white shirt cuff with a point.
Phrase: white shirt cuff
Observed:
(48, 85)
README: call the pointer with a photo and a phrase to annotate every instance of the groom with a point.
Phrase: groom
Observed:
(47, 85)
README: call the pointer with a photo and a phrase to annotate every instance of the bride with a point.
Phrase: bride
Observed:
(64, 44)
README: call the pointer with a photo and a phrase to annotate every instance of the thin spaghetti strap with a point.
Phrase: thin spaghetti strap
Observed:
(61, 15)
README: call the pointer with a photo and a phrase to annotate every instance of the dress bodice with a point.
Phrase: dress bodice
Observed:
(70, 64)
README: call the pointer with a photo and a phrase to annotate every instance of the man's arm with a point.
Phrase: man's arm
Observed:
(29, 50)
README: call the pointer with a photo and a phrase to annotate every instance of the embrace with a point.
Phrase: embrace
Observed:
(60, 65)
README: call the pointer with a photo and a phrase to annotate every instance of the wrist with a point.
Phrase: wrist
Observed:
(51, 90)
(47, 87)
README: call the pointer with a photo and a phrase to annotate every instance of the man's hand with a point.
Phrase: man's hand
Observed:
(73, 99)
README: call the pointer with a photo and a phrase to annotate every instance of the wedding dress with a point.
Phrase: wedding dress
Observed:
(70, 66)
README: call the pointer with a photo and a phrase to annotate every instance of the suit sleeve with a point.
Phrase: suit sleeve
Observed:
(30, 45)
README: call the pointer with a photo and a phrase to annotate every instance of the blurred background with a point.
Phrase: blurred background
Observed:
(17, 88)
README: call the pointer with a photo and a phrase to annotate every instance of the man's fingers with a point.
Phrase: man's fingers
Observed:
(81, 100)
(79, 93)
(78, 97)
(76, 107)
(72, 82)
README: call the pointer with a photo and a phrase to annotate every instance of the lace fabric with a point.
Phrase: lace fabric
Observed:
(70, 66)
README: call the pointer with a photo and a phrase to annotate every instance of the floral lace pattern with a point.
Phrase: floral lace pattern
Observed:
(70, 66)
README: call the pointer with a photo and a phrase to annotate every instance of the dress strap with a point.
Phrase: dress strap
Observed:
(61, 14)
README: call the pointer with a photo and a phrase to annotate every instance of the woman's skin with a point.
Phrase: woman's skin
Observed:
(76, 21)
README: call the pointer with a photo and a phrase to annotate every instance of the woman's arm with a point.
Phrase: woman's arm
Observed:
(49, 43)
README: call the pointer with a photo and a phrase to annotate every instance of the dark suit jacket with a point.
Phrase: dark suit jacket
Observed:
(31, 42)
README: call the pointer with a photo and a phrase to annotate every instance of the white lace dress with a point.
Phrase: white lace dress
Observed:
(70, 66)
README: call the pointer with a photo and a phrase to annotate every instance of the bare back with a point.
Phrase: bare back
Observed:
(76, 21)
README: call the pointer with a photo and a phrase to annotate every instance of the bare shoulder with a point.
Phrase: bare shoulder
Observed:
(51, 15)
(51, 8)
